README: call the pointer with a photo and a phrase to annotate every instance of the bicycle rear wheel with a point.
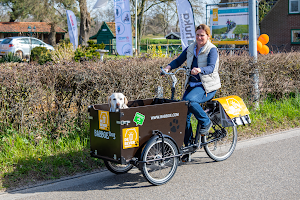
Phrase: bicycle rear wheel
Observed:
(117, 168)
(222, 148)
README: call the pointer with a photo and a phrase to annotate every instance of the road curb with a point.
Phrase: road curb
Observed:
(52, 181)
(268, 138)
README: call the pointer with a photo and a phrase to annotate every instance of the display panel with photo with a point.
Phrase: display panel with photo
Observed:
(229, 24)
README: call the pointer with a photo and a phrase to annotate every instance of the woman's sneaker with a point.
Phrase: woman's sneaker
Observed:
(204, 130)
(185, 158)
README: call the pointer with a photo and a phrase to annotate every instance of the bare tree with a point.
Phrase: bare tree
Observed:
(98, 16)
(199, 11)
(142, 7)
(157, 24)
(168, 9)
(52, 35)
(163, 19)
(4, 17)
(17, 9)
(106, 13)
(85, 22)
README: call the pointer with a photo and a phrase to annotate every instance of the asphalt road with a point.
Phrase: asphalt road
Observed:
(262, 168)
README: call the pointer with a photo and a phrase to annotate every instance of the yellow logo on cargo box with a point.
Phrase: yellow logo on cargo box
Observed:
(130, 137)
(103, 120)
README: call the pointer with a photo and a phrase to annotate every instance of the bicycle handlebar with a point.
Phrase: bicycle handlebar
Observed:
(173, 77)
(163, 72)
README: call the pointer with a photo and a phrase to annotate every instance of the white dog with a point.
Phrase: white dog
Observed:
(117, 101)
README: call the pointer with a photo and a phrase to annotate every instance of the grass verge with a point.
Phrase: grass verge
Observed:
(26, 160)
(273, 116)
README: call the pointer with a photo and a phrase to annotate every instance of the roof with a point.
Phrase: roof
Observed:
(17, 27)
(112, 27)
(105, 25)
(176, 34)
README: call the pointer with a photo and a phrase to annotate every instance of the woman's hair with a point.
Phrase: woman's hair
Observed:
(205, 28)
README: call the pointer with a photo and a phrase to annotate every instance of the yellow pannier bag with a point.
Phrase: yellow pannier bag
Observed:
(233, 111)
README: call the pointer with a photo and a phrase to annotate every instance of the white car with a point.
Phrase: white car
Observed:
(21, 46)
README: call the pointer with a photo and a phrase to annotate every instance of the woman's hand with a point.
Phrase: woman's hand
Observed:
(195, 71)
(167, 68)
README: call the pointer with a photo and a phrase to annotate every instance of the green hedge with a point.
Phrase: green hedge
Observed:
(52, 99)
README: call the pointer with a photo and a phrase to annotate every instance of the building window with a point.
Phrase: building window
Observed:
(294, 6)
(295, 36)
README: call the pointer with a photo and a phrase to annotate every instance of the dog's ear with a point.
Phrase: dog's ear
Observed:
(125, 100)
(109, 100)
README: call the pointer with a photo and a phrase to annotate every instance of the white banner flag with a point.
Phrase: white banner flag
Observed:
(72, 26)
(123, 27)
(100, 3)
(186, 22)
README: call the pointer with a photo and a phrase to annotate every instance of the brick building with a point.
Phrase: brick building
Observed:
(40, 30)
(282, 24)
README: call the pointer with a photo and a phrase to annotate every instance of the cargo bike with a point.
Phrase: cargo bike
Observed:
(150, 133)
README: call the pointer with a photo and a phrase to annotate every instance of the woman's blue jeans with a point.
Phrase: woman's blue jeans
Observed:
(195, 96)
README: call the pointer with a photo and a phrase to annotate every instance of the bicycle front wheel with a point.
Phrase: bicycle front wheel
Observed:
(160, 171)
(224, 144)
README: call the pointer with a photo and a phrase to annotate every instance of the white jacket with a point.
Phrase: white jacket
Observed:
(210, 82)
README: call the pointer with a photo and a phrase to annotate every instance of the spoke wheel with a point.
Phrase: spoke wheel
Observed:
(161, 171)
(117, 168)
(223, 148)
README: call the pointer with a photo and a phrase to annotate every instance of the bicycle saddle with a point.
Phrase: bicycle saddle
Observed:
(212, 104)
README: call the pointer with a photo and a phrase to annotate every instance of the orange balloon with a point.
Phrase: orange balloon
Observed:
(264, 50)
(264, 39)
(259, 45)
(261, 51)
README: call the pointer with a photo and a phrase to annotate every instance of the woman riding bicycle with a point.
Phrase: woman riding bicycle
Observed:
(203, 81)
